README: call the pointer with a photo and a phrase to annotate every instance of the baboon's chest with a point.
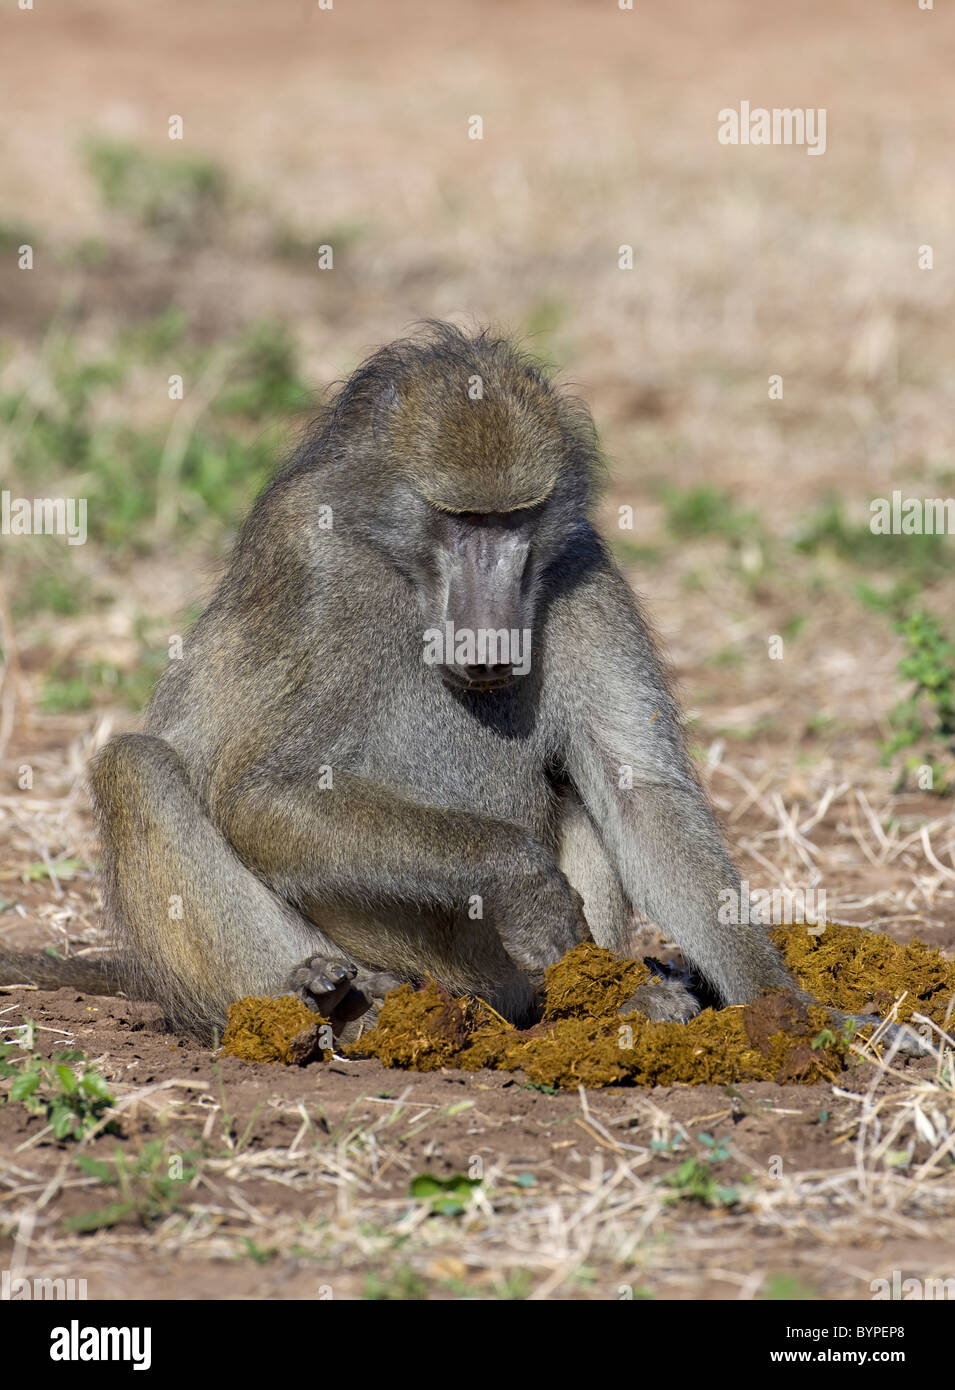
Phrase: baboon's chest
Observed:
(488, 756)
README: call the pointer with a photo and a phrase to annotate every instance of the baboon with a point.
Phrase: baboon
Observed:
(422, 728)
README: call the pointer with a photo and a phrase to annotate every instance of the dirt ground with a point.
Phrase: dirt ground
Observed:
(348, 127)
(306, 1187)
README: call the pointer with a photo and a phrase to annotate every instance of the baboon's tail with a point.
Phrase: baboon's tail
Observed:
(105, 975)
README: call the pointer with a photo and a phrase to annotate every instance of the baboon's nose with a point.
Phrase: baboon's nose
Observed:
(496, 673)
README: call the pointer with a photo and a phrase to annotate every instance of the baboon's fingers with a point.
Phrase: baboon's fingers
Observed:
(376, 984)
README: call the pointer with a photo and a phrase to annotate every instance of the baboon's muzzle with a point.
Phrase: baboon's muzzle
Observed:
(487, 611)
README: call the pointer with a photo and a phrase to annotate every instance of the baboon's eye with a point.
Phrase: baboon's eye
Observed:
(511, 520)
(520, 513)
(518, 520)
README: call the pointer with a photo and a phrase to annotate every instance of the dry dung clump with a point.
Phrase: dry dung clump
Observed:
(585, 985)
(797, 1039)
(273, 1030)
(865, 972)
(587, 1039)
(591, 1035)
(718, 1046)
(423, 1029)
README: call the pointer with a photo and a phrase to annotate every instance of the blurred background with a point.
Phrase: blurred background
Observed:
(302, 127)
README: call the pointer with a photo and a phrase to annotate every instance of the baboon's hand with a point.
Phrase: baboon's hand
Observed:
(542, 917)
(664, 999)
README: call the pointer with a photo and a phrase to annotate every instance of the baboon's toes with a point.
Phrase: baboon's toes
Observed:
(348, 997)
(322, 983)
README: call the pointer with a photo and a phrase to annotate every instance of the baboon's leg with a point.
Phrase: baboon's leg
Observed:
(201, 930)
(587, 866)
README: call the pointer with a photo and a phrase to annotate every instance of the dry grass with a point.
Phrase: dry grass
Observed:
(611, 1227)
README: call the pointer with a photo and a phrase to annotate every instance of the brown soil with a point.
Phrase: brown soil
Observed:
(439, 1122)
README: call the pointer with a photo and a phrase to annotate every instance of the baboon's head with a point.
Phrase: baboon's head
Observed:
(472, 476)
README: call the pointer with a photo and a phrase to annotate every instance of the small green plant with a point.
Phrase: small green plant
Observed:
(630, 552)
(830, 529)
(259, 1254)
(11, 236)
(446, 1196)
(71, 1098)
(514, 1286)
(793, 626)
(65, 433)
(92, 253)
(52, 589)
(695, 1181)
(151, 339)
(892, 601)
(400, 1285)
(706, 511)
(89, 682)
(60, 432)
(146, 1191)
(546, 317)
(788, 1288)
(668, 1146)
(56, 868)
(264, 380)
(842, 1040)
(925, 720)
(292, 243)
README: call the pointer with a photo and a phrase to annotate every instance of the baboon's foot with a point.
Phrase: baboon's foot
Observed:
(666, 998)
(910, 1043)
(341, 992)
(322, 983)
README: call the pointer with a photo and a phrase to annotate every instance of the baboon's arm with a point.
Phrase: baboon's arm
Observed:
(362, 845)
(627, 758)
